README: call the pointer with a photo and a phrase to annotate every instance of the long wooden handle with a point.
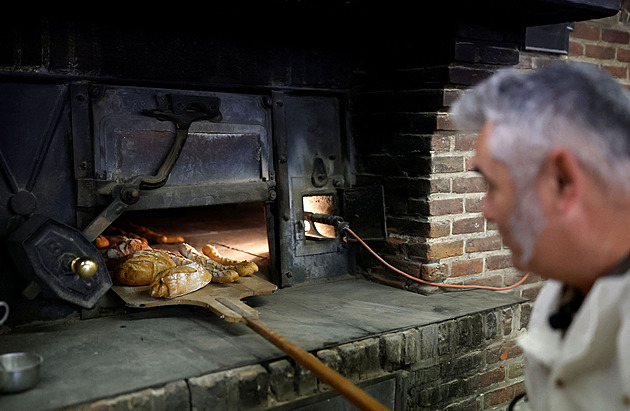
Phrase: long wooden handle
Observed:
(350, 391)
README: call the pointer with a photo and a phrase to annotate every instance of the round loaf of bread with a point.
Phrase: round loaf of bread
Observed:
(120, 249)
(141, 267)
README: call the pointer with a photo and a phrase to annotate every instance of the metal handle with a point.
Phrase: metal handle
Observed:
(85, 267)
(327, 219)
(149, 182)
(185, 111)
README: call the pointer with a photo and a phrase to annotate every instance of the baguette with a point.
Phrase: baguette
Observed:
(243, 268)
(173, 239)
(125, 233)
(101, 242)
(155, 237)
(179, 280)
(220, 274)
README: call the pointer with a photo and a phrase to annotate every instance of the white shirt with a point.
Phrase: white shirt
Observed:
(588, 369)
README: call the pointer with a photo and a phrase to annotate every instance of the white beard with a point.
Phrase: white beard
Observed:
(526, 223)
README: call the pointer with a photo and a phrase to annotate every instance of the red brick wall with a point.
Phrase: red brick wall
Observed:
(605, 42)
(463, 248)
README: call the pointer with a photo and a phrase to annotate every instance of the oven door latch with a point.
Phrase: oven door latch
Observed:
(182, 110)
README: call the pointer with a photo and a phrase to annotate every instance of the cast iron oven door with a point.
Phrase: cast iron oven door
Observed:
(222, 162)
(315, 160)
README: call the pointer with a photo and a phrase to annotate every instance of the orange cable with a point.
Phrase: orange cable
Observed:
(483, 287)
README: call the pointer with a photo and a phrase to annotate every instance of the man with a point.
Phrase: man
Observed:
(554, 149)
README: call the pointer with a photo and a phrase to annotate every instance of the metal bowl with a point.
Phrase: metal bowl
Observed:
(19, 371)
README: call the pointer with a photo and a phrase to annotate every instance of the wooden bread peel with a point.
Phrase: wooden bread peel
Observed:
(225, 301)
(214, 296)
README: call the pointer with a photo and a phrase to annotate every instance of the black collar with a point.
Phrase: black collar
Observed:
(621, 268)
(570, 302)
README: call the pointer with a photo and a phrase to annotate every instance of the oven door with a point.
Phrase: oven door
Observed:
(222, 161)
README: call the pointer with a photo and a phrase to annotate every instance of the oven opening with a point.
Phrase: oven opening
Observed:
(318, 204)
(237, 231)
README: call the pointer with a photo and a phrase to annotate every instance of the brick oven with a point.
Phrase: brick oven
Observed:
(247, 126)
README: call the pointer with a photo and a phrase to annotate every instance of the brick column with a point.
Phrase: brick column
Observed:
(407, 142)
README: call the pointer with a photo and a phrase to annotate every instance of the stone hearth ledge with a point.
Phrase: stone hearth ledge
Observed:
(163, 357)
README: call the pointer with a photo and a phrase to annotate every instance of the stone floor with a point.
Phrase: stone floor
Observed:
(86, 360)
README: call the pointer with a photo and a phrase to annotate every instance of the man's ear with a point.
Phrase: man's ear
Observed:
(565, 178)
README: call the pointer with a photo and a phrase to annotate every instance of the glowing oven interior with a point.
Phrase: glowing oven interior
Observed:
(318, 204)
(237, 231)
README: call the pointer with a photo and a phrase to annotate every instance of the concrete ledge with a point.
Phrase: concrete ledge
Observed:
(187, 358)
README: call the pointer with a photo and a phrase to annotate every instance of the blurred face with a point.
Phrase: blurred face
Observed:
(518, 216)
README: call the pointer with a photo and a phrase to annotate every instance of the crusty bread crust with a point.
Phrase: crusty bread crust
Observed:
(220, 274)
(243, 268)
(180, 280)
(141, 267)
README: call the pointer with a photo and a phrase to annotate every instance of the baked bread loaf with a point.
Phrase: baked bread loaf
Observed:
(178, 259)
(120, 248)
(243, 268)
(180, 280)
(220, 274)
(141, 267)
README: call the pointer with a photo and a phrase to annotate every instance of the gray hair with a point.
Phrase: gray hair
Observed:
(573, 105)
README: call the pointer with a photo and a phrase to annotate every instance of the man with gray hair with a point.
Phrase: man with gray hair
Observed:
(554, 149)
